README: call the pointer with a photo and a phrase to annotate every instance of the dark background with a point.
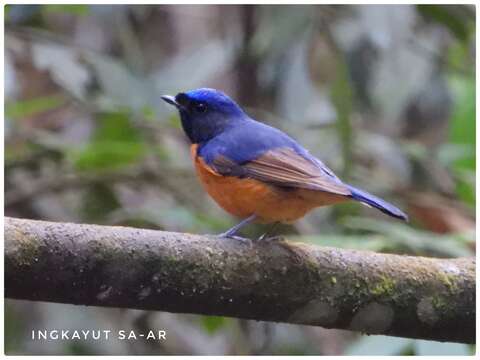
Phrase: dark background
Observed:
(385, 95)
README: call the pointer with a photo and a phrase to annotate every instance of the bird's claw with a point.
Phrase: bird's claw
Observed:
(263, 238)
(267, 239)
(226, 235)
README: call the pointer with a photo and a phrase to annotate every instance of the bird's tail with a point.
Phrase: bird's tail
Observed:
(371, 200)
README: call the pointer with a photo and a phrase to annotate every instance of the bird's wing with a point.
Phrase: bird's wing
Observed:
(286, 168)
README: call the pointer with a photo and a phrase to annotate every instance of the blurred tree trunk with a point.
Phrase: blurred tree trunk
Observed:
(247, 62)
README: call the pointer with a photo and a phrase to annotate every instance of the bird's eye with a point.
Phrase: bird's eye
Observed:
(201, 107)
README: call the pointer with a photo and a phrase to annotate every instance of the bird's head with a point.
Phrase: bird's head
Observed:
(205, 113)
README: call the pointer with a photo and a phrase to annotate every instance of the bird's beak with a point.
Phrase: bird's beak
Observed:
(171, 100)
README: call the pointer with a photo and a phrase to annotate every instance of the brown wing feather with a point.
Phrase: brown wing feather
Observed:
(284, 167)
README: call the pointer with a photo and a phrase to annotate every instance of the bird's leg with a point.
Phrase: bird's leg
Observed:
(265, 236)
(231, 233)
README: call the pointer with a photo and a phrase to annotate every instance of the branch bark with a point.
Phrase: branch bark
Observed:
(407, 296)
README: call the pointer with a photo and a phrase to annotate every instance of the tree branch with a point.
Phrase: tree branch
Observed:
(414, 297)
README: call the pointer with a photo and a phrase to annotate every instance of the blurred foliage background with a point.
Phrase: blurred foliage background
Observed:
(385, 95)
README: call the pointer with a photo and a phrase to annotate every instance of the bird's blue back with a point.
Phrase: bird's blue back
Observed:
(249, 139)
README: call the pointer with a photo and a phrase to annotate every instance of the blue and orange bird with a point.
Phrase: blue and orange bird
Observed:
(254, 171)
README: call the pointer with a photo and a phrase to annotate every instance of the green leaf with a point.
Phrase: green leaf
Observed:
(108, 155)
(148, 113)
(116, 126)
(462, 127)
(213, 323)
(69, 9)
(341, 95)
(116, 143)
(445, 15)
(462, 133)
(465, 186)
(24, 108)
(459, 57)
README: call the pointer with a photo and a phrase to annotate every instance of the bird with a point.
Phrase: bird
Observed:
(257, 172)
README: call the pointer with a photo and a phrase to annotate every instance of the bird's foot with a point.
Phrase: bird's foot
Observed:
(227, 235)
(268, 239)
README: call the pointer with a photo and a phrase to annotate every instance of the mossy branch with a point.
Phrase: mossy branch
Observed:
(414, 297)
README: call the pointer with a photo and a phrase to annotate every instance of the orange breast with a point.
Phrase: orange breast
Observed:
(244, 197)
